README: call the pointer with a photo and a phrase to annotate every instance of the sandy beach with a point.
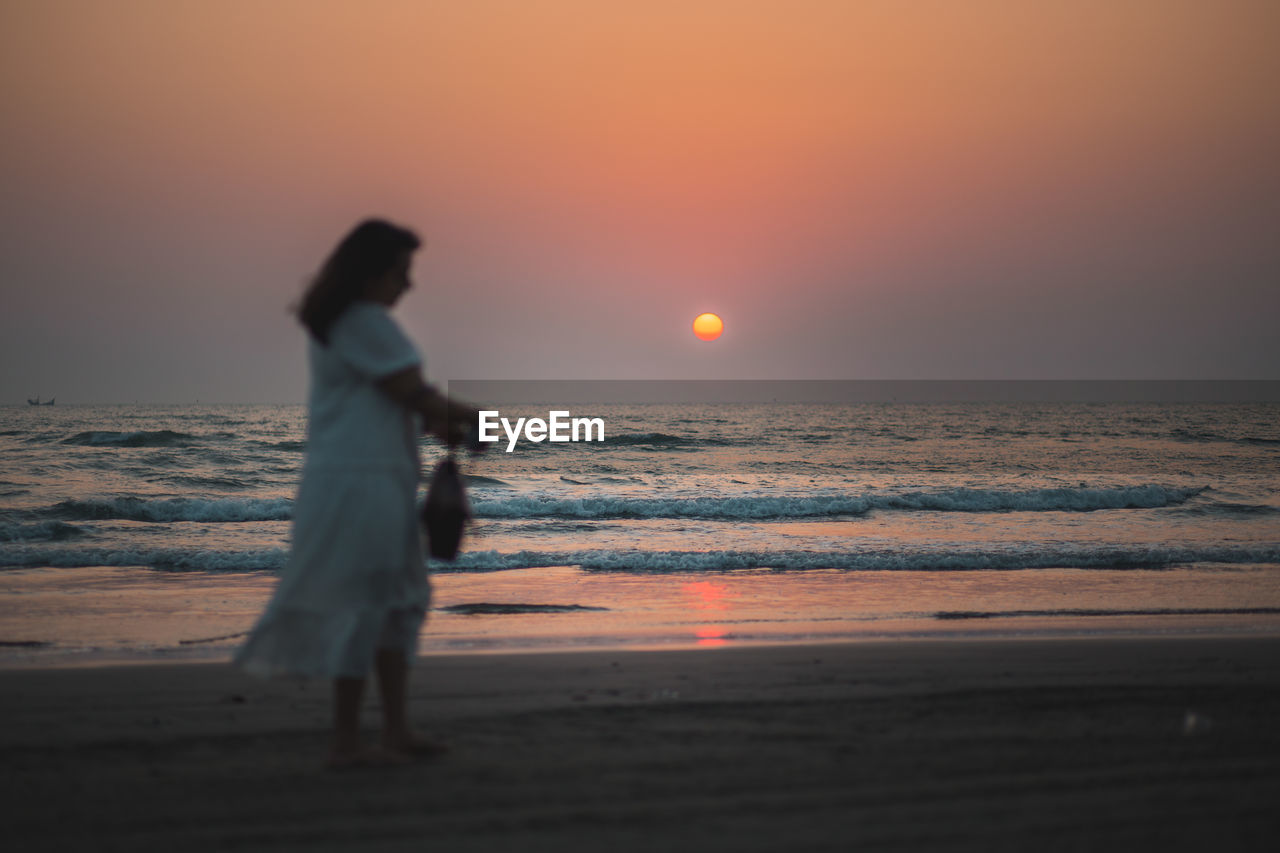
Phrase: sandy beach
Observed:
(1166, 743)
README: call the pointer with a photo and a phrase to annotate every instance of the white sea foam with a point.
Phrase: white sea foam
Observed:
(606, 506)
(906, 559)
(164, 559)
(765, 506)
(175, 509)
(662, 562)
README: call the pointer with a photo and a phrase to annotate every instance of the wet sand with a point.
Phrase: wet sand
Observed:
(1168, 743)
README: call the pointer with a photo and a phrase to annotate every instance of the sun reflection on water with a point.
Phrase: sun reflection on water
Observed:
(711, 635)
(710, 597)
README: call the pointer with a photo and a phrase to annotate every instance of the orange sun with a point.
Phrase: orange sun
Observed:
(708, 327)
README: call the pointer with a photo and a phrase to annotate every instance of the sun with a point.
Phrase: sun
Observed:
(708, 327)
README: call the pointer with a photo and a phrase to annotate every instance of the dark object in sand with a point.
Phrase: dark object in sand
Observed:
(213, 639)
(487, 608)
(445, 511)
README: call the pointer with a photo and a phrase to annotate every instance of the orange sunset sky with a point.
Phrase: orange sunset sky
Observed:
(879, 190)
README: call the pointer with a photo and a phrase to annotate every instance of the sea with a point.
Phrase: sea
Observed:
(141, 533)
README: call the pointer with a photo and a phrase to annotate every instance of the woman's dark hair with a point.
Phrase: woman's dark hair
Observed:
(369, 252)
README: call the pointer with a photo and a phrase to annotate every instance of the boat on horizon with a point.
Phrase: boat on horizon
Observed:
(36, 401)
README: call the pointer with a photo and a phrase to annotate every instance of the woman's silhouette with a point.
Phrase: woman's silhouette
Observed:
(353, 593)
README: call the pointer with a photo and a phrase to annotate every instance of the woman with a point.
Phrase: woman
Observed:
(353, 593)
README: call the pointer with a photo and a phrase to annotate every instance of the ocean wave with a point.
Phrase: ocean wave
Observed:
(537, 506)
(754, 507)
(294, 445)
(1227, 508)
(662, 439)
(43, 531)
(632, 561)
(481, 481)
(208, 482)
(175, 509)
(143, 438)
(1042, 500)
(904, 560)
(818, 506)
(163, 559)
(1211, 437)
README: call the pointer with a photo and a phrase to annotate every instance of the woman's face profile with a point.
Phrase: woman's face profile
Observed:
(391, 286)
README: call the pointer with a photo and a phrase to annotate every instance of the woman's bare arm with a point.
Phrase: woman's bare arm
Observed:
(447, 419)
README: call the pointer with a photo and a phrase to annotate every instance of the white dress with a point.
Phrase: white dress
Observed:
(355, 580)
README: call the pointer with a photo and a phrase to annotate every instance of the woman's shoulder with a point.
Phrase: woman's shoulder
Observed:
(363, 308)
(363, 317)
(366, 337)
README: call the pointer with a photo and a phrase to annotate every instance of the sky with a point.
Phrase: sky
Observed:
(978, 189)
